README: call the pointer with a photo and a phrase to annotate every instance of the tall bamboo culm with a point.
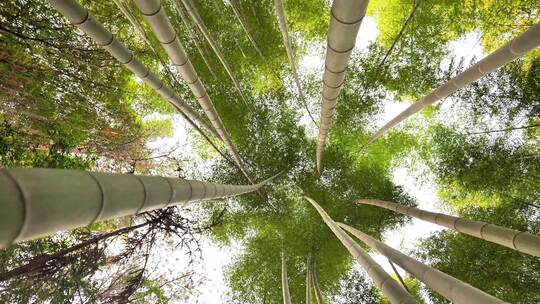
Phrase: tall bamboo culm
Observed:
(80, 17)
(512, 50)
(518, 240)
(389, 287)
(155, 15)
(284, 280)
(449, 287)
(38, 202)
(345, 20)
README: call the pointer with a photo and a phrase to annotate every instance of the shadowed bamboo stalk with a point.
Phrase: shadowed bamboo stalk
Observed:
(155, 15)
(512, 50)
(284, 281)
(80, 17)
(38, 202)
(345, 20)
(282, 22)
(449, 287)
(308, 280)
(192, 11)
(236, 12)
(193, 36)
(389, 287)
(315, 282)
(518, 240)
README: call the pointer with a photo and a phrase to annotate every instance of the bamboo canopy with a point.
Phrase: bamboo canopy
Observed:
(512, 50)
(192, 11)
(38, 202)
(449, 287)
(518, 240)
(345, 20)
(284, 281)
(156, 17)
(80, 17)
(389, 287)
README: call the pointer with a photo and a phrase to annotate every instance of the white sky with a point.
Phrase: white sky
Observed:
(215, 259)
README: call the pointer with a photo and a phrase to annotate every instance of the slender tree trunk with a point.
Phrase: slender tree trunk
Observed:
(282, 22)
(452, 289)
(284, 281)
(38, 202)
(345, 21)
(192, 11)
(518, 240)
(398, 276)
(512, 50)
(308, 280)
(315, 282)
(236, 12)
(388, 286)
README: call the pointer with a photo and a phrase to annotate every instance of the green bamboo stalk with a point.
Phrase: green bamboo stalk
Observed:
(284, 281)
(308, 280)
(38, 202)
(518, 240)
(449, 287)
(345, 20)
(389, 287)
(512, 50)
(80, 17)
(236, 12)
(315, 282)
(155, 15)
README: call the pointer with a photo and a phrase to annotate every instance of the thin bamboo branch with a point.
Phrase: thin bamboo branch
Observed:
(346, 17)
(389, 287)
(80, 17)
(282, 22)
(315, 282)
(236, 11)
(512, 50)
(518, 240)
(308, 280)
(192, 11)
(156, 17)
(449, 287)
(38, 202)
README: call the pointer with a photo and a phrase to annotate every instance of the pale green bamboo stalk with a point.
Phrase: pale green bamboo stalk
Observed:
(454, 290)
(282, 22)
(284, 281)
(518, 240)
(389, 287)
(155, 15)
(80, 17)
(345, 20)
(308, 281)
(193, 36)
(38, 202)
(236, 12)
(192, 11)
(315, 281)
(512, 50)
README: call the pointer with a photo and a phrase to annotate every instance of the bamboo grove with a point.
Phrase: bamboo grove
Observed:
(300, 128)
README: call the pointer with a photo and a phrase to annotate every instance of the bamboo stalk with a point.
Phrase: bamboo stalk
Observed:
(518, 240)
(236, 12)
(389, 287)
(512, 50)
(80, 17)
(308, 280)
(315, 281)
(345, 20)
(192, 11)
(155, 15)
(284, 281)
(449, 287)
(38, 202)
(282, 22)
